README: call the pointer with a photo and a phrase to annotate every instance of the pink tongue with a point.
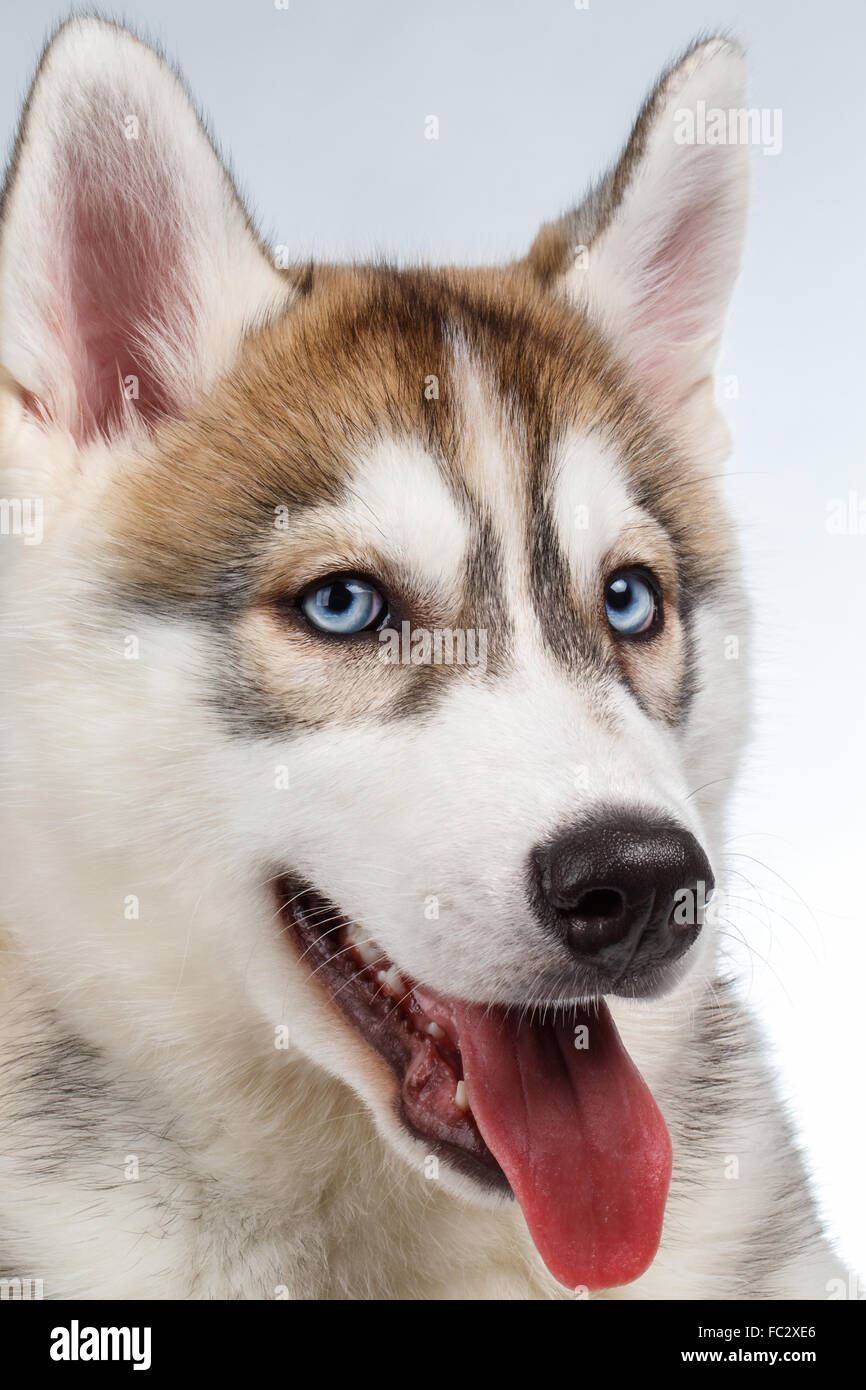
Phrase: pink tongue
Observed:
(577, 1134)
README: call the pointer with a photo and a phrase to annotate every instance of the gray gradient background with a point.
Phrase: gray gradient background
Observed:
(321, 108)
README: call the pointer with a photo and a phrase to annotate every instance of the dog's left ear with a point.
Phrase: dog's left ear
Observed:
(652, 254)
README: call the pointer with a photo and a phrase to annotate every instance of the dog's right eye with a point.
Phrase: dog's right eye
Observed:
(343, 605)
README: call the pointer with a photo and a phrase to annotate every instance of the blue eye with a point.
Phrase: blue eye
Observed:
(343, 606)
(631, 603)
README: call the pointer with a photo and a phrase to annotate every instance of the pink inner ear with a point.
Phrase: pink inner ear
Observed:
(680, 308)
(119, 281)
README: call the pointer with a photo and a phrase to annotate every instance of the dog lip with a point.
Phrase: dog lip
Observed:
(408, 1026)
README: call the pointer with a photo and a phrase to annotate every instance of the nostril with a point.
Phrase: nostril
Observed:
(600, 905)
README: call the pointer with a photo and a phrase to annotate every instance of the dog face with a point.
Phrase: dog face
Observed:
(380, 635)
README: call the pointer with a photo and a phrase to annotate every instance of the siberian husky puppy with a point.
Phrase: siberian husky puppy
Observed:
(373, 680)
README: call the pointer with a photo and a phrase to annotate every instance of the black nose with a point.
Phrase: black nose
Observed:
(626, 894)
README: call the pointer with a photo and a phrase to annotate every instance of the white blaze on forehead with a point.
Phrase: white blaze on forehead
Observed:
(492, 458)
(398, 501)
(494, 467)
(590, 502)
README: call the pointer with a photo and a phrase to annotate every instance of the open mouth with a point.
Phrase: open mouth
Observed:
(550, 1106)
(417, 1040)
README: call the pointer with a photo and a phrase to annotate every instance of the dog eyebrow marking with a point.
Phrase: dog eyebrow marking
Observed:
(398, 497)
(593, 506)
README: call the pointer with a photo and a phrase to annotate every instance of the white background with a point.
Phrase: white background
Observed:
(322, 107)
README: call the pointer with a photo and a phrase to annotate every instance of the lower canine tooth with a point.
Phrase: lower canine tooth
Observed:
(461, 1100)
(435, 1031)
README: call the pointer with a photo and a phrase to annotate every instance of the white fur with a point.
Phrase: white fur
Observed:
(420, 528)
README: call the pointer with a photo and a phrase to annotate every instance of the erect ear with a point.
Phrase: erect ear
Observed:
(128, 268)
(653, 252)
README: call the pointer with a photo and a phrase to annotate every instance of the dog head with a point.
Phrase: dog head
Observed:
(374, 675)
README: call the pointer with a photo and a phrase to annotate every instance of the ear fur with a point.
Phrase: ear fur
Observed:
(128, 267)
(653, 252)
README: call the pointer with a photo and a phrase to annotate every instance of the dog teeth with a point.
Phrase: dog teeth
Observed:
(391, 980)
(435, 1031)
(461, 1100)
(367, 949)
